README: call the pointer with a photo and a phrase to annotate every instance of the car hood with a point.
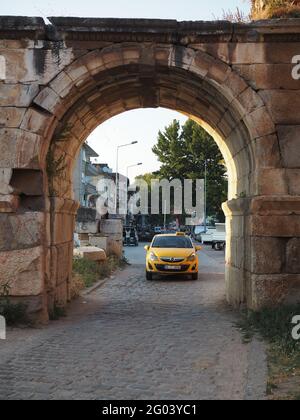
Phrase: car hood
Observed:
(174, 252)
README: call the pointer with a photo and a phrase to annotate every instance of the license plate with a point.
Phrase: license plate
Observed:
(173, 267)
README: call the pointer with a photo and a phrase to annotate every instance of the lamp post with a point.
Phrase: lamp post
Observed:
(117, 169)
(132, 166)
(127, 171)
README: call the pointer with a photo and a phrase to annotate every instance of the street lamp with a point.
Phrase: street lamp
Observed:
(132, 166)
(117, 170)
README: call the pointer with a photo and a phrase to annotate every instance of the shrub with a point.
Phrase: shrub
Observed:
(91, 271)
(274, 9)
(14, 314)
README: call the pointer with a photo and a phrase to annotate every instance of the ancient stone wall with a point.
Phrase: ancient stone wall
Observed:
(240, 82)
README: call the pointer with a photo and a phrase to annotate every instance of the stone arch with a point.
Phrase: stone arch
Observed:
(228, 103)
(106, 82)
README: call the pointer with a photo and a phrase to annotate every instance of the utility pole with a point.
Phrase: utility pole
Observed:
(117, 172)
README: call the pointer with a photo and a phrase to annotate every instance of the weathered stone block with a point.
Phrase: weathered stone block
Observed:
(20, 65)
(293, 179)
(23, 271)
(131, 54)
(19, 231)
(48, 99)
(114, 247)
(77, 71)
(61, 295)
(36, 122)
(267, 152)
(99, 242)
(5, 177)
(9, 203)
(19, 149)
(283, 105)
(275, 205)
(272, 181)
(62, 84)
(272, 290)
(28, 182)
(11, 117)
(247, 53)
(90, 253)
(276, 226)
(111, 227)
(87, 227)
(250, 100)
(260, 123)
(94, 61)
(17, 95)
(235, 288)
(63, 228)
(63, 269)
(289, 140)
(293, 256)
(268, 76)
(267, 255)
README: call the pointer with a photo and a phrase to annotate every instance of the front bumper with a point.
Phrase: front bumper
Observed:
(163, 268)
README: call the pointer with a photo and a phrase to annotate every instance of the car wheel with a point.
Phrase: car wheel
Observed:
(149, 275)
(195, 276)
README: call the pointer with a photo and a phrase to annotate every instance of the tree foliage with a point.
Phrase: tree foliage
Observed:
(183, 152)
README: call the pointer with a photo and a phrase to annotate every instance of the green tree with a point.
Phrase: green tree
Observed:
(183, 152)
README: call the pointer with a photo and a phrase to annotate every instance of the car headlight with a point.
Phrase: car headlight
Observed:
(192, 257)
(153, 257)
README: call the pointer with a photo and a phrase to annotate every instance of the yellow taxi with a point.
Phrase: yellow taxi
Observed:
(172, 254)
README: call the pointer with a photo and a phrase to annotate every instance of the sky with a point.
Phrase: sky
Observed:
(163, 9)
(138, 125)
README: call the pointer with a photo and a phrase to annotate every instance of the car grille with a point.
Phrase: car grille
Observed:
(172, 260)
(161, 267)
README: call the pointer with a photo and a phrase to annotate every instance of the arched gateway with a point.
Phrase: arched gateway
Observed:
(63, 80)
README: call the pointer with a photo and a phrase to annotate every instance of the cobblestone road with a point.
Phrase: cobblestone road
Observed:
(133, 339)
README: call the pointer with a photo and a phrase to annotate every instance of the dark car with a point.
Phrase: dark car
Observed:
(130, 236)
(146, 234)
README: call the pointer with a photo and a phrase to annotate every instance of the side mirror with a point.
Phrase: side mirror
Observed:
(146, 248)
(198, 248)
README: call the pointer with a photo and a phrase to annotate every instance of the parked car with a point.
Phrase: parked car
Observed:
(219, 237)
(172, 254)
(145, 234)
(158, 230)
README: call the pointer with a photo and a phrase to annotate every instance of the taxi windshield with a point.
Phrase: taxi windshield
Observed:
(172, 242)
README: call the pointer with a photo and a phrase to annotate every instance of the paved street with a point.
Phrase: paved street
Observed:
(133, 339)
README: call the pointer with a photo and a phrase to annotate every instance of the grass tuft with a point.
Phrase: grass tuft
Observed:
(275, 326)
(91, 271)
